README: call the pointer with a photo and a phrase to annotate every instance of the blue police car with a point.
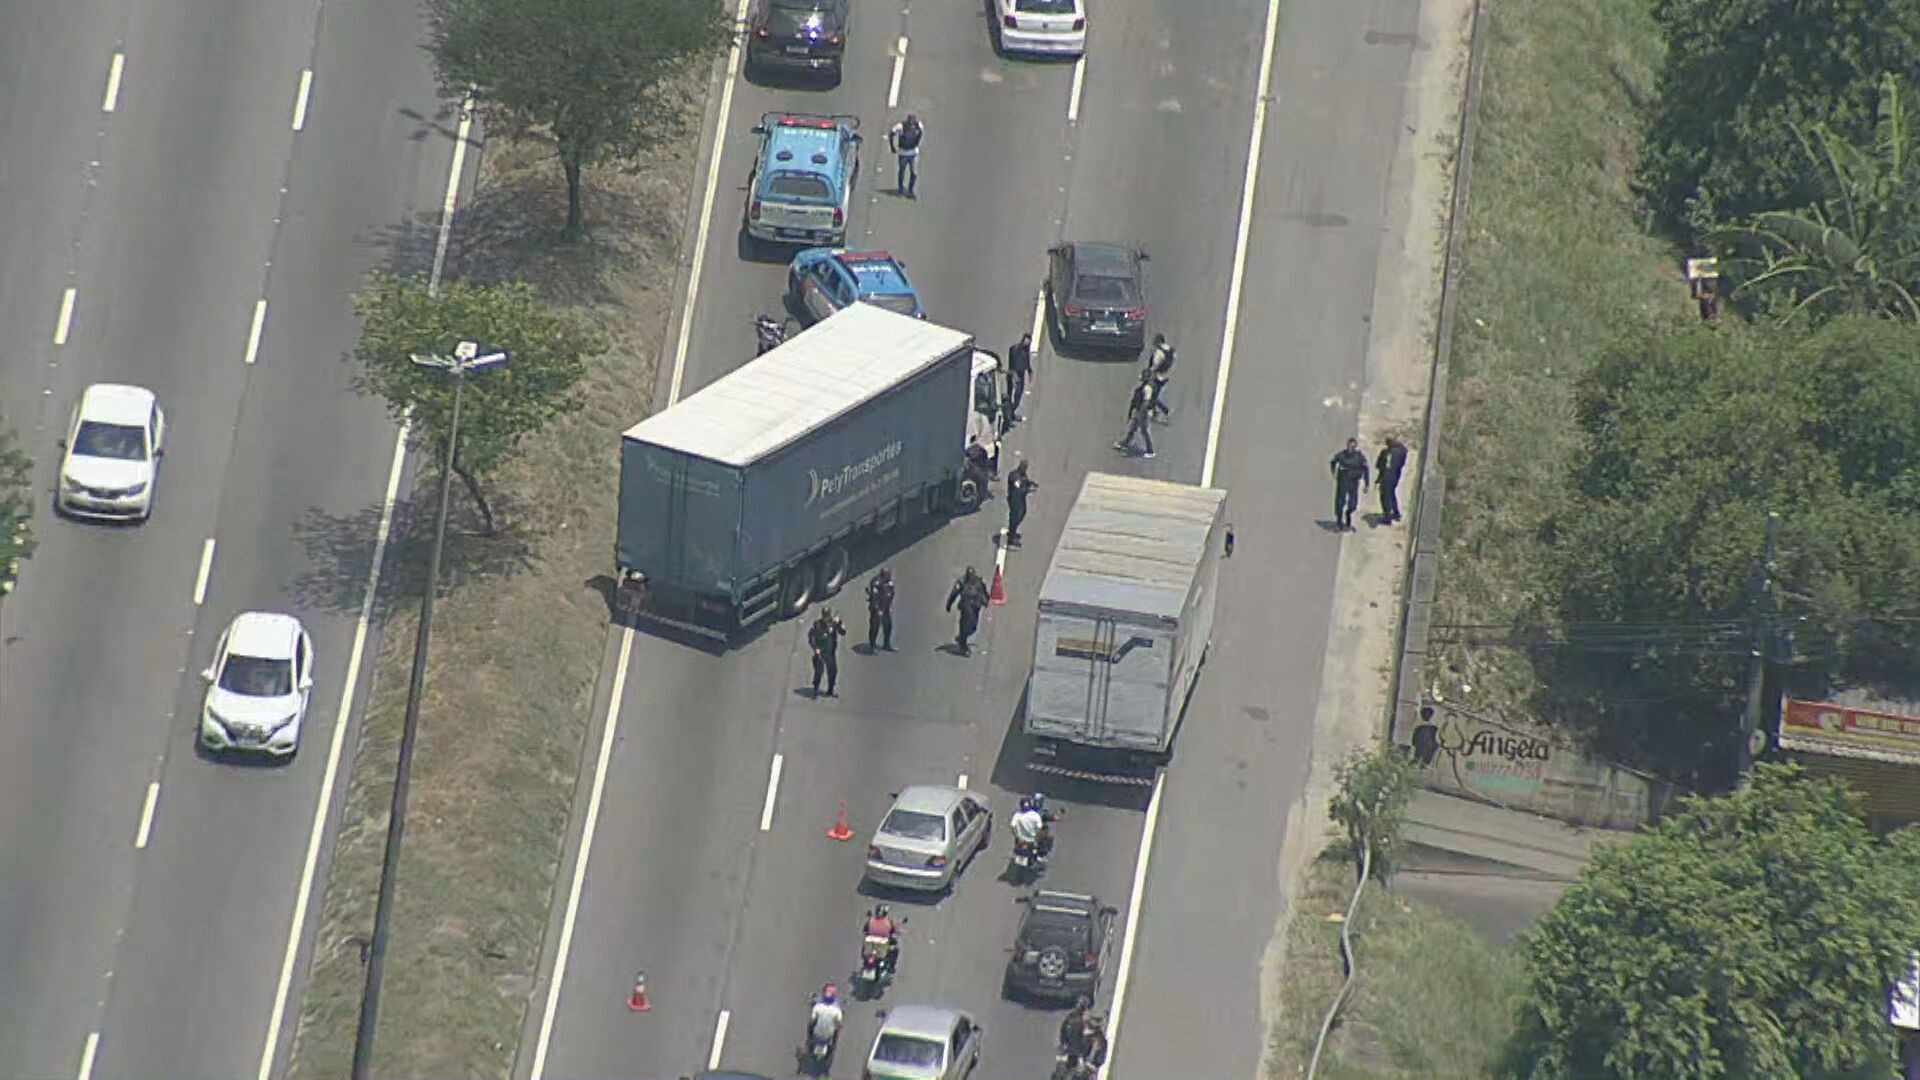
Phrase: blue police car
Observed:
(821, 281)
(801, 190)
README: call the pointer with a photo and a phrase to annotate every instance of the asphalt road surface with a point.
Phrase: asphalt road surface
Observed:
(720, 883)
(154, 190)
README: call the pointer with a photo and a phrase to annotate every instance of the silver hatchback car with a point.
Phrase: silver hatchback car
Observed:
(924, 1042)
(925, 838)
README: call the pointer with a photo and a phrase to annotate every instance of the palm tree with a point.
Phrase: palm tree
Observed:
(1858, 248)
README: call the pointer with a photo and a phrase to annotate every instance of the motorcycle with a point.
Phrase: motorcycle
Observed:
(1028, 861)
(816, 1054)
(770, 333)
(1065, 1068)
(872, 979)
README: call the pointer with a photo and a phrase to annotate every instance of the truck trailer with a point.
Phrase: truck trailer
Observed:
(743, 501)
(1126, 615)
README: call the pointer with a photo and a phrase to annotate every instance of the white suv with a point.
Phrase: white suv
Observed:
(257, 686)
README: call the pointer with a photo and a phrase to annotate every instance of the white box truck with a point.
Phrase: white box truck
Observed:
(1126, 615)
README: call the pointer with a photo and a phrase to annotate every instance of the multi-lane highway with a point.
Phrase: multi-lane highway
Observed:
(701, 849)
(189, 194)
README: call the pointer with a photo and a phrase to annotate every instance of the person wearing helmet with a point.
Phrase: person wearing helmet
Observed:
(823, 1024)
(1073, 1028)
(880, 922)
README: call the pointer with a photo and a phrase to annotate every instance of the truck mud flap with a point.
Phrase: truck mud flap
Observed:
(1124, 779)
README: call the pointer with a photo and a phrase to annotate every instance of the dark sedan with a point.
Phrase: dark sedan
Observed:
(1097, 295)
(798, 36)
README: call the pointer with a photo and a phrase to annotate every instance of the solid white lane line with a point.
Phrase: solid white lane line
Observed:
(303, 899)
(719, 1039)
(766, 808)
(552, 1009)
(963, 782)
(1079, 80)
(65, 322)
(146, 816)
(706, 210)
(899, 69)
(302, 902)
(115, 69)
(1038, 332)
(1240, 245)
(206, 570)
(1133, 924)
(253, 332)
(1000, 557)
(300, 100)
(451, 198)
(87, 1054)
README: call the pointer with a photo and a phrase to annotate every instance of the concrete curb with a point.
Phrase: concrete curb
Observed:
(1416, 610)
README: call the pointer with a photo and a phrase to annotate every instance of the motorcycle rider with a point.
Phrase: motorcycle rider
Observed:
(880, 926)
(1073, 1028)
(1029, 826)
(823, 1023)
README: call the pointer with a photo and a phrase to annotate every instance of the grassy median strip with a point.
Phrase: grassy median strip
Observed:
(516, 649)
(1558, 263)
(1432, 998)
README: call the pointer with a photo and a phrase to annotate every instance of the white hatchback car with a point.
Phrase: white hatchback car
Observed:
(1050, 27)
(112, 453)
(257, 686)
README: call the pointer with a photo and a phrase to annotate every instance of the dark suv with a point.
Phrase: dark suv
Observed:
(798, 36)
(1061, 949)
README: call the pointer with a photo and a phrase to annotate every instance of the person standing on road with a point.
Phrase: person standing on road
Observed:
(1019, 370)
(1158, 371)
(1140, 420)
(971, 594)
(1386, 476)
(904, 141)
(880, 610)
(1349, 468)
(1018, 485)
(824, 637)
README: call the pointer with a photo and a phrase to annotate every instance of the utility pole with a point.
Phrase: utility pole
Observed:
(466, 357)
(1761, 638)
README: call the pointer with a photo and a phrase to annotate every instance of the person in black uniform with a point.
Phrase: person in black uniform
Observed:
(1019, 370)
(1018, 485)
(1349, 468)
(971, 594)
(824, 637)
(1386, 476)
(880, 610)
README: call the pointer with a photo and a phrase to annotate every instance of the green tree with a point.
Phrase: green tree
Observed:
(548, 349)
(1741, 76)
(605, 78)
(1749, 937)
(16, 510)
(1691, 436)
(1858, 247)
(1370, 802)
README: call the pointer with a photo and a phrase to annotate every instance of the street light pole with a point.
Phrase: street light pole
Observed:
(466, 357)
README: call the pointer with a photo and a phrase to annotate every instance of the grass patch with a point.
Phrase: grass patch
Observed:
(1557, 262)
(516, 651)
(1433, 999)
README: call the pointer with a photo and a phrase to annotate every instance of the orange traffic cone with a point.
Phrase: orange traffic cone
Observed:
(637, 1001)
(998, 595)
(841, 830)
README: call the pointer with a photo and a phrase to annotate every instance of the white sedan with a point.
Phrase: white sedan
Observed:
(257, 686)
(112, 453)
(1049, 27)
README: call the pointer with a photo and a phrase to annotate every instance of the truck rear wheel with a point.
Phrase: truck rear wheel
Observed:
(966, 493)
(832, 571)
(796, 590)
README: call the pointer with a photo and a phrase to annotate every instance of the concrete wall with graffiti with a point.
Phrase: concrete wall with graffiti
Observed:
(1489, 761)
